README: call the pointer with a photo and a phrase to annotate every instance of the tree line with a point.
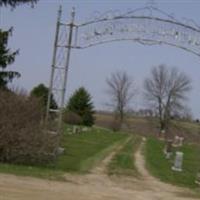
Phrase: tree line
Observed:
(165, 93)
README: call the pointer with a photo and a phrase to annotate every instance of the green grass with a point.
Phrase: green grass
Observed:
(161, 167)
(123, 161)
(34, 171)
(82, 152)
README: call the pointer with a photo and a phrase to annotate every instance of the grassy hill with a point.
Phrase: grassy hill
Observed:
(148, 126)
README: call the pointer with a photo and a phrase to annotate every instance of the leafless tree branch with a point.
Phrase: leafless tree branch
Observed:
(121, 89)
(167, 89)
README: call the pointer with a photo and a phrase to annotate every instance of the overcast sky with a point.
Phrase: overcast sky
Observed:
(34, 31)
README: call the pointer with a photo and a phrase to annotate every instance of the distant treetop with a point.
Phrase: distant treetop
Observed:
(14, 3)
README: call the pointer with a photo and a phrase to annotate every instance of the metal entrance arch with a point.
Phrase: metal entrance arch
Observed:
(148, 26)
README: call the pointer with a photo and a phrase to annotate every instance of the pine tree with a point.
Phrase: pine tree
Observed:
(14, 3)
(80, 103)
(6, 58)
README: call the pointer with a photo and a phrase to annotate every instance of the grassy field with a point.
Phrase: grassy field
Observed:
(161, 167)
(123, 161)
(82, 151)
(148, 126)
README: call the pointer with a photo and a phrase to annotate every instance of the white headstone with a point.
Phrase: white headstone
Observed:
(84, 129)
(178, 141)
(163, 131)
(60, 150)
(181, 141)
(198, 178)
(178, 162)
(168, 155)
(74, 129)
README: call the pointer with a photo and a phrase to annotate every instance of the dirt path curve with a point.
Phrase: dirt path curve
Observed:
(95, 186)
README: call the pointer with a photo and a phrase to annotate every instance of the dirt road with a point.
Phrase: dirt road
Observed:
(94, 186)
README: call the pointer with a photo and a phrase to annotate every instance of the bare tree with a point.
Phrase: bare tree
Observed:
(166, 90)
(121, 90)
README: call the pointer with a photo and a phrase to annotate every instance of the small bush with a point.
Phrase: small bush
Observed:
(22, 136)
(72, 118)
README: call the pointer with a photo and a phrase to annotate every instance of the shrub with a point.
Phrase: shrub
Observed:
(22, 136)
(72, 118)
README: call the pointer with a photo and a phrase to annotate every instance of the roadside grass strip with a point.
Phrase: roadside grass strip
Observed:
(82, 151)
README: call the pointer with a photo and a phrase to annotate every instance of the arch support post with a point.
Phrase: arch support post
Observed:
(59, 72)
(53, 65)
(67, 62)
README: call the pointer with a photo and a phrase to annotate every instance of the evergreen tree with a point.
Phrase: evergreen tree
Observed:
(6, 58)
(14, 3)
(41, 91)
(80, 103)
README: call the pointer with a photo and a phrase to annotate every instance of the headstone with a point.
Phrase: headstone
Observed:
(74, 130)
(168, 155)
(168, 149)
(198, 178)
(181, 141)
(85, 129)
(78, 130)
(162, 133)
(69, 131)
(178, 162)
(144, 139)
(178, 141)
(59, 150)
